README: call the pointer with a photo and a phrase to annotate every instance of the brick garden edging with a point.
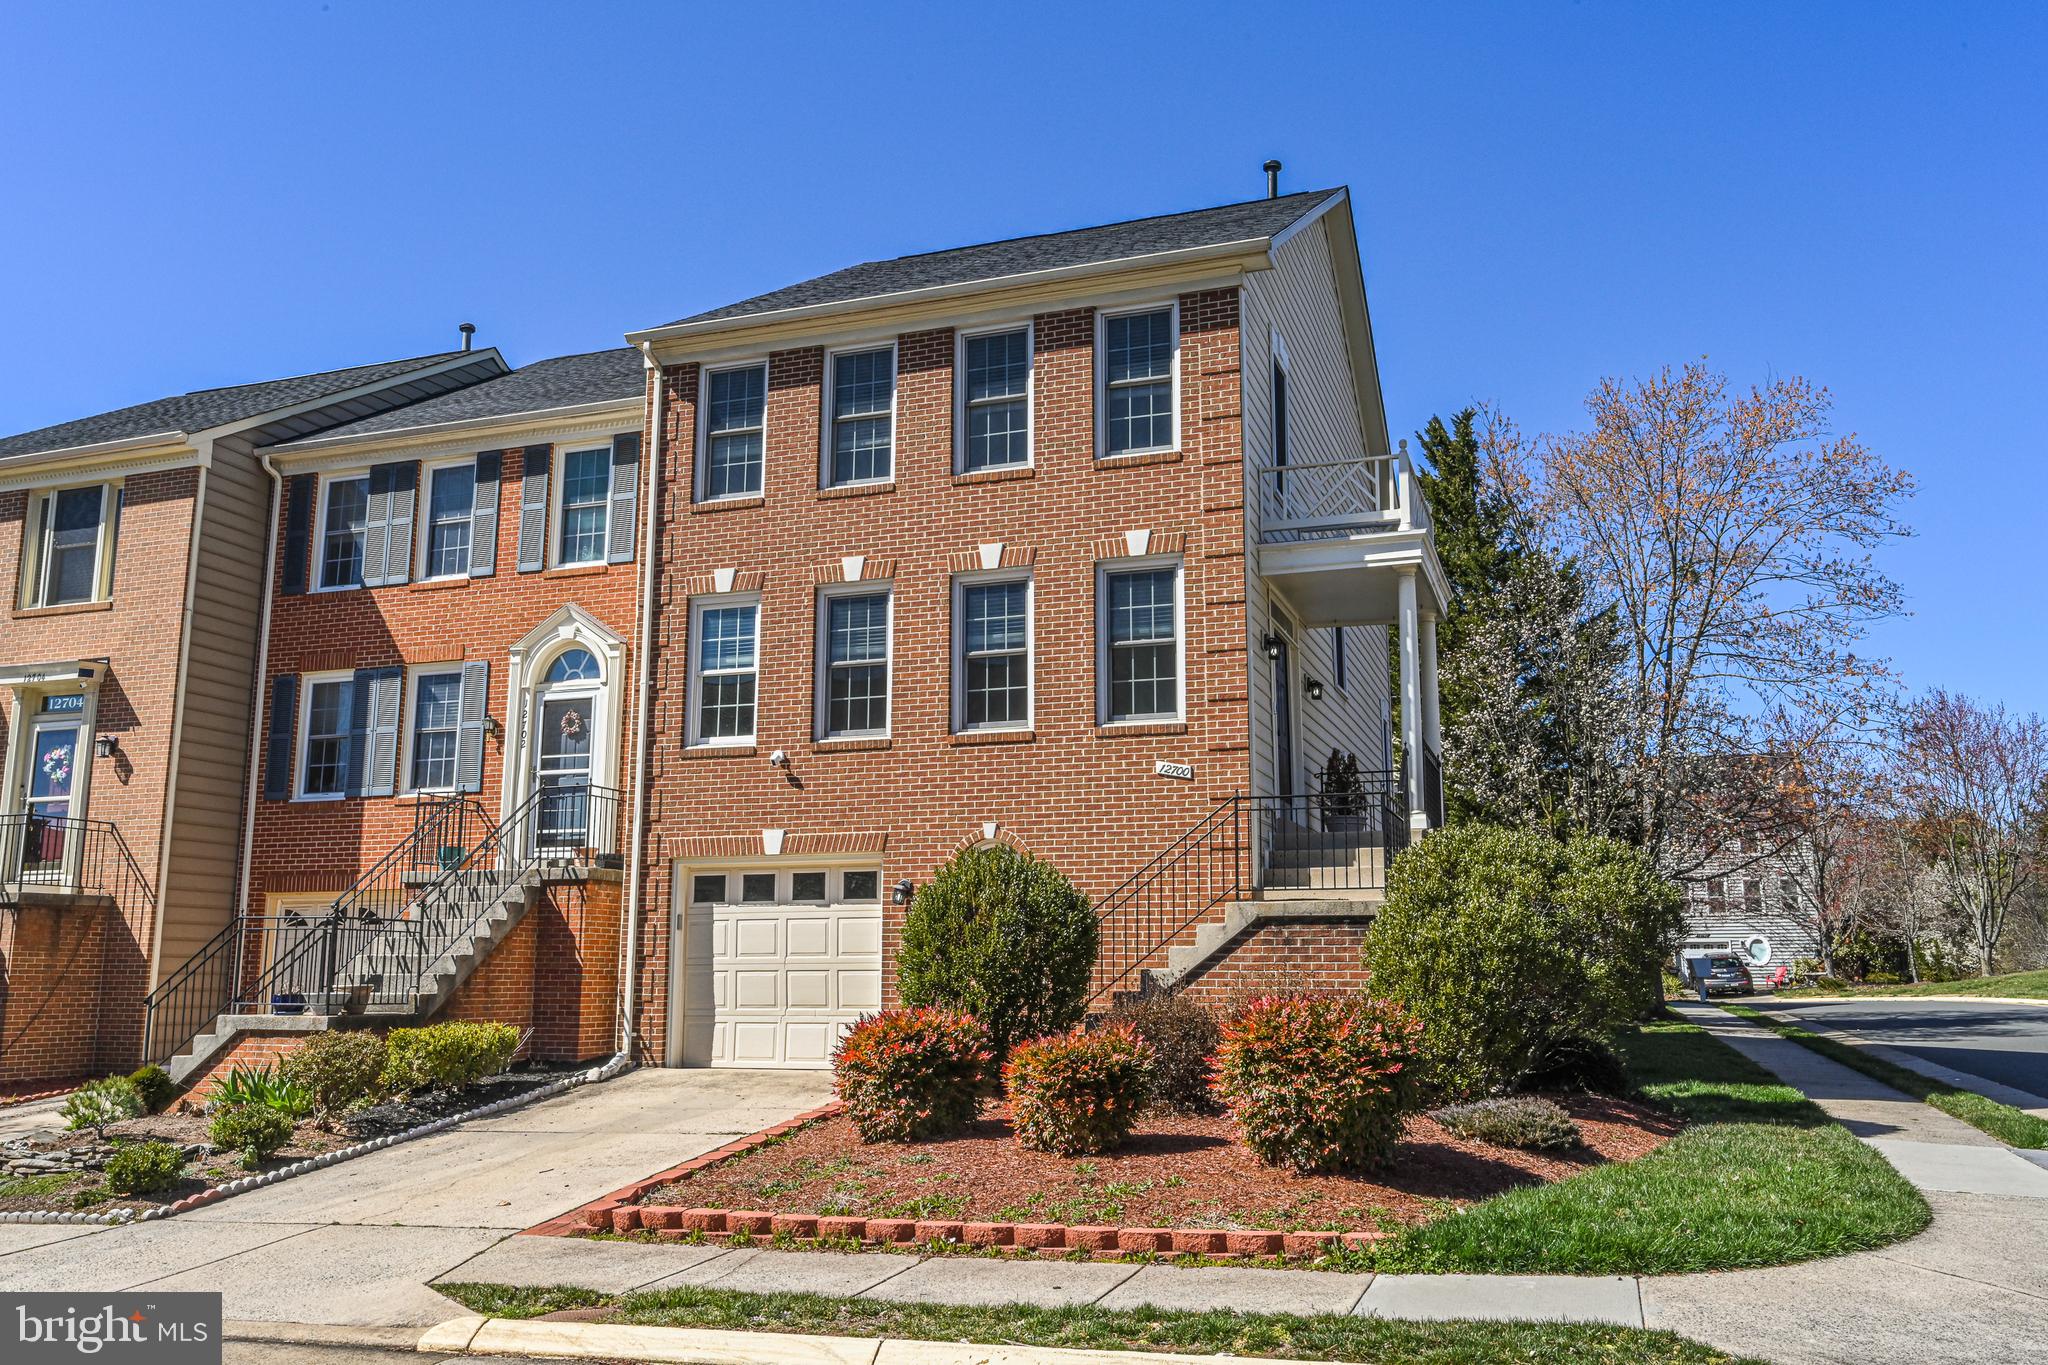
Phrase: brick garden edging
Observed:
(618, 1212)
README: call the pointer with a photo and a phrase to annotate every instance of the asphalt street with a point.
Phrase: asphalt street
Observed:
(2004, 1043)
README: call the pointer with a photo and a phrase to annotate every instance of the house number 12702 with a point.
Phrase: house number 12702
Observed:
(1165, 767)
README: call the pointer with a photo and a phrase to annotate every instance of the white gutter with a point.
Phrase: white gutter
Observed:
(262, 666)
(643, 669)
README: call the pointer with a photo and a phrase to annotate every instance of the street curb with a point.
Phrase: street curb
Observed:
(1944, 999)
(2023, 1100)
(319, 1334)
(618, 1063)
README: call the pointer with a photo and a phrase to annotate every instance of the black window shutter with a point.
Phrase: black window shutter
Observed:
(483, 515)
(284, 716)
(359, 698)
(298, 533)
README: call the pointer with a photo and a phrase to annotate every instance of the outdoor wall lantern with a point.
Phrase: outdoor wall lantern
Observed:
(492, 728)
(1314, 688)
(103, 746)
(1272, 646)
(901, 894)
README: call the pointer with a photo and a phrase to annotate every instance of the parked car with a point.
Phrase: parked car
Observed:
(1728, 974)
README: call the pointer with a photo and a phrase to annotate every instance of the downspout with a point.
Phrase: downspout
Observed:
(256, 685)
(643, 669)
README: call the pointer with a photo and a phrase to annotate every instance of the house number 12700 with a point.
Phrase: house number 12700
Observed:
(1168, 768)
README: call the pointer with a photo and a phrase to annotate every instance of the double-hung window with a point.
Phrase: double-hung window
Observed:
(345, 504)
(995, 400)
(70, 546)
(735, 432)
(992, 654)
(1140, 609)
(855, 627)
(324, 761)
(1140, 362)
(860, 438)
(444, 535)
(724, 671)
(586, 491)
(436, 712)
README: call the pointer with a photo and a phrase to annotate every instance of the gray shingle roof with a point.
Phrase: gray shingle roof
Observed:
(1248, 221)
(208, 408)
(564, 381)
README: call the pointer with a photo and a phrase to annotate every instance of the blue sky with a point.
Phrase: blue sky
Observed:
(203, 194)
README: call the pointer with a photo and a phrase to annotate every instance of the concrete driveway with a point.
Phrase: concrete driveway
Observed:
(2003, 1043)
(356, 1244)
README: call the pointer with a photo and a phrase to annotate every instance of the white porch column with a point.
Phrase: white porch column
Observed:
(1411, 700)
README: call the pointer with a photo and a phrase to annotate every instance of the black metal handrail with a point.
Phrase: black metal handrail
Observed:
(68, 855)
(1200, 870)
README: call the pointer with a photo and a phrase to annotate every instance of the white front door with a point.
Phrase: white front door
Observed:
(48, 791)
(776, 963)
(562, 753)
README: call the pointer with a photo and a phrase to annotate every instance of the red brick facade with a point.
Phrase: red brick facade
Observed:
(557, 973)
(65, 992)
(1290, 955)
(1081, 794)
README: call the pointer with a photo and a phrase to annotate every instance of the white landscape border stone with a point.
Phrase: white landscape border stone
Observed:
(618, 1063)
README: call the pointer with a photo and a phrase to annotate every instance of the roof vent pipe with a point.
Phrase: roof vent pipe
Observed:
(1272, 180)
(468, 330)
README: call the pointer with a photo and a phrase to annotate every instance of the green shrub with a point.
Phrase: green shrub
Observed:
(1076, 1094)
(98, 1103)
(262, 1085)
(155, 1086)
(254, 1130)
(1504, 942)
(1578, 1062)
(908, 1075)
(1183, 1037)
(1319, 1082)
(1001, 936)
(145, 1167)
(1525, 1121)
(450, 1056)
(336, 1069)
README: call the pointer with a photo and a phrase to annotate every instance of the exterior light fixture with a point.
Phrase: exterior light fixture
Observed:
(1272, 646)
(901, 893)
(1314, 688)
(103, 746)
(492, 728)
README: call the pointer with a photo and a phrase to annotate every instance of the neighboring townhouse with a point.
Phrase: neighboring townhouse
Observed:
(1746, 898)
(445, 694)
(1085, 543)
(132, 545)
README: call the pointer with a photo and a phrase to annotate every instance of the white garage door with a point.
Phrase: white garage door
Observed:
(777, 963)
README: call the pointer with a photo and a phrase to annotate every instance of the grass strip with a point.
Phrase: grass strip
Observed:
(2014, 1127)
(2013, 985)
(1273, 1335)
(1759, 1177)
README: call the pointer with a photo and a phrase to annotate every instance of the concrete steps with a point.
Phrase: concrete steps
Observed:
(1211, 938)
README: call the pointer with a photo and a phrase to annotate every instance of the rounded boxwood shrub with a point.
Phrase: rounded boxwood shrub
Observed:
(1004, 937)
(155, 1087)
(452, 1056)
(909, 1075)
(96, 1104)
(337, 1069)
(1525, 1121)
(1075, 1094)
(1504, 943)
(1183, 1037)
(145, 1167)
(255, 1130)
(1319, 1083)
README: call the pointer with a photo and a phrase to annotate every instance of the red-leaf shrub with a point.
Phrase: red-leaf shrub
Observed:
(1073, 1094)
(1319, 1083)
(908, 1075)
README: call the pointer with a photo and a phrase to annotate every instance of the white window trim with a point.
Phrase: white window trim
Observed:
(413, 674)
(698, 606)
(423, 514)
(960, 340)
(958, 648)
(1340, 662)
(1103, 569)
(558, 485)
(304, 734)
(822, 656)
(328, 479)
(828, 419)
(36, 550)
(701, 482)
(1102, 317)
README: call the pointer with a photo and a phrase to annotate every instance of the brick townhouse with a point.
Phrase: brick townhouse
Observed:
(131, 547)
(1084, 543)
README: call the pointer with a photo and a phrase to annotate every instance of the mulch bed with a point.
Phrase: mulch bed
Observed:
(1175, 1172)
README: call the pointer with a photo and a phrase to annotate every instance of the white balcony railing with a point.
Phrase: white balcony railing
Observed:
(1315, 499)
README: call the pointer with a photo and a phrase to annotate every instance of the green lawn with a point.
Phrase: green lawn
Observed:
(2016, 985)
(1759, 1177)
(2014, 1127)
(1278, 1336)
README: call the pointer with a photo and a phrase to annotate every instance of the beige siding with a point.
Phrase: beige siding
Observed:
(213, 745)
(1298, 302)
